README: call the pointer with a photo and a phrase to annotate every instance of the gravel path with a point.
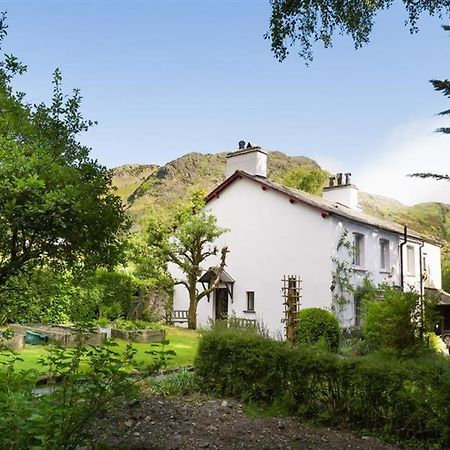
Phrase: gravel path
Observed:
(195, 423)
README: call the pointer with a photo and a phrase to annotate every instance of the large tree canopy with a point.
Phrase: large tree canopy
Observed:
(303, 22)
(187, 241)
(56, 203)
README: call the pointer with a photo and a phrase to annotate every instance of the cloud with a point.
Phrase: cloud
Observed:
(412, 147)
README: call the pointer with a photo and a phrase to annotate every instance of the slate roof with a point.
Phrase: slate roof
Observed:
(325, 206)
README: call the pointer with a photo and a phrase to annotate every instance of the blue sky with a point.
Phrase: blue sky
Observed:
(167, 77)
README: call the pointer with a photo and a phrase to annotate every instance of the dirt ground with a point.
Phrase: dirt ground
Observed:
(196, 423)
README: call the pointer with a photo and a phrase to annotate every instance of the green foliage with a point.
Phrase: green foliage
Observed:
(48, 296)
(83, 382)
(315, 324)
(186, 240)
(396, 321)
(131, 325)
(181, 382)
(304, 23)
(446, 276)
(405, 399)
(308, 179)
(56, 203)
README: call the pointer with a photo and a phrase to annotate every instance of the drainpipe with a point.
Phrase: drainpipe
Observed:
(421, 288)
(405, 240)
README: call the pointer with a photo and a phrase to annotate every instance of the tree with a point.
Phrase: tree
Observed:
(306, 179)
(306, 22)
(187, 242)
(56, 203)
(444, 87)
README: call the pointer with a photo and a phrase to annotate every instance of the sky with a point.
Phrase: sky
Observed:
(164, 78)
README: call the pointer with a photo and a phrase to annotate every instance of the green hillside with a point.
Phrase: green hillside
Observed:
(146, 187)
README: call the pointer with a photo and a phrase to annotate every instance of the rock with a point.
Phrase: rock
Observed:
(203, 445)
(224, 403)
(129, 423)
(136, 434)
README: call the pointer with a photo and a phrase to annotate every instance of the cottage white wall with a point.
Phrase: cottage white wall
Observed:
(269, 237)
(371, 264)
(432, 271)
(433, 274)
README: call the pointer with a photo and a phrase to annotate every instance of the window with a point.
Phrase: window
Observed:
(410, 260)
(358, 249)
(384, 254)
(250, 301)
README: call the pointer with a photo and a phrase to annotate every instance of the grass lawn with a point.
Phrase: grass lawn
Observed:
(183, 341)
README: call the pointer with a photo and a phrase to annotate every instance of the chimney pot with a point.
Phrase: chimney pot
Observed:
(339, 179)
(347, 177)
(241, 145)
(331, 181)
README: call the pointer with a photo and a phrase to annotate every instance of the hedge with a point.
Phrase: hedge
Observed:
(408, 399)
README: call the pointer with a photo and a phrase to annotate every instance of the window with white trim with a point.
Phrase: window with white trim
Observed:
(250, 301)
(384, 254)
(358, 249)
(410, 260)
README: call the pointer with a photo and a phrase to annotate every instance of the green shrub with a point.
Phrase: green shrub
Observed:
(83, 381)
(407, 398)
(395, 321)
(315, 324)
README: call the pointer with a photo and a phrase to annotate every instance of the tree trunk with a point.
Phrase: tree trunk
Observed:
(192, 312)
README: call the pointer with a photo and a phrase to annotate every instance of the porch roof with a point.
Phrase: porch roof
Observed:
(211, 273)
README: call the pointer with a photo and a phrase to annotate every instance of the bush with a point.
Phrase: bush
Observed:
(315, 324)
(395, 321)
(408, 399)
(83, 381)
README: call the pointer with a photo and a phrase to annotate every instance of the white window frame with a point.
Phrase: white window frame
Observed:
(358, 249)
(250, 298)
(411, 260)
(385, 256)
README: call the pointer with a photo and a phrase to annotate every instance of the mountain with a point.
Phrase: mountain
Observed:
(145, 187)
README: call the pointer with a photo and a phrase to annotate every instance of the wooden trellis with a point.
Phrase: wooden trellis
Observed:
(292, 294)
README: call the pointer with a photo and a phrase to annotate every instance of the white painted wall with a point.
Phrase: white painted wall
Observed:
(269, 237)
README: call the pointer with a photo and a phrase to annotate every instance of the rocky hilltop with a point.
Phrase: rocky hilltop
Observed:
(145, 187)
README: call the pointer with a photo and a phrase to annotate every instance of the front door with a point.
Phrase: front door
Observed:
(221, 303)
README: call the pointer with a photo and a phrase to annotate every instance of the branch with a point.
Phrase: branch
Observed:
(184, 283)
(219, 271)
(434, 176)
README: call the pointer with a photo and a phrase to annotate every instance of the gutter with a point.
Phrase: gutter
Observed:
(405, 240)
(421, 289)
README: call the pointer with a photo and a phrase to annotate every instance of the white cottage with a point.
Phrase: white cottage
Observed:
(277, 231)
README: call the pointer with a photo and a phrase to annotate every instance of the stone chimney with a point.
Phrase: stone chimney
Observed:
(340, 190)
(249, 158)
